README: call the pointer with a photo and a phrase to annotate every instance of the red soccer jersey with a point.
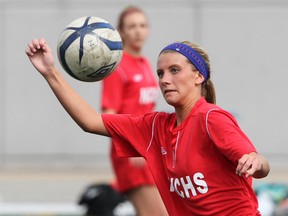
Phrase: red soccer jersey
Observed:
(194, 163)
(133, 89)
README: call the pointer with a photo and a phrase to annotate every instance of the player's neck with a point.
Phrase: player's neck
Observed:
(133, 52)
(183, 111)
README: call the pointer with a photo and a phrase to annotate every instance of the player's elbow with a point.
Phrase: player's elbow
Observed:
(92, 128)
(88, 128)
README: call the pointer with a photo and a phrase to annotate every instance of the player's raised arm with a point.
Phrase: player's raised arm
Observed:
(84, 115)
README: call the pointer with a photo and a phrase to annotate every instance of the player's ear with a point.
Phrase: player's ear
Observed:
(199, 78)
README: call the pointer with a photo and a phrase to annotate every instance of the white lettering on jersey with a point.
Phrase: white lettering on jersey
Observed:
(185, 187)
(188, 186)
(174, 187)
(202, 185)
(148, 95)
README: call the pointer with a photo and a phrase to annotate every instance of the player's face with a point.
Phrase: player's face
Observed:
(135, 30)
(179, 81)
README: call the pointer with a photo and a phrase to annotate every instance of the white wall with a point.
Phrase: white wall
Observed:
(247, 45)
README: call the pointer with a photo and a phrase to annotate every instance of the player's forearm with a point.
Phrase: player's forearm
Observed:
(83, 114)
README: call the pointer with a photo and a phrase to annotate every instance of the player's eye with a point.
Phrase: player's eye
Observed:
(174, 70)
(131, 26)
(160, 73)
(143, 25)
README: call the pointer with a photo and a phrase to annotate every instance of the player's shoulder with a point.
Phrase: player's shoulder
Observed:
(206, 110)
(158, 115)
(203, 106)
(214, 112)
(164, 119)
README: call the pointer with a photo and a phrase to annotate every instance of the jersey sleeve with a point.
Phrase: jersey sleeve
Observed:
(131, 134)
(226, 134)
(112, 90)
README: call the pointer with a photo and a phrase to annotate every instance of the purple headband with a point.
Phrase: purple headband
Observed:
(192, 55)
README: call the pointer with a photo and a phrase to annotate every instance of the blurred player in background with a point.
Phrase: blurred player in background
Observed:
(133, 89)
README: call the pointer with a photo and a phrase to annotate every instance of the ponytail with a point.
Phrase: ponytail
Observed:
(208, 91)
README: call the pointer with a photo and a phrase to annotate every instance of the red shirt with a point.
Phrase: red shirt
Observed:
(131, 88)
(194, 163)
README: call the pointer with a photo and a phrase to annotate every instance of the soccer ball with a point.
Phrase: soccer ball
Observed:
(89, 49)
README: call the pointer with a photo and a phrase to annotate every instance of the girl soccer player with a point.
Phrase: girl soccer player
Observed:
(201, 160)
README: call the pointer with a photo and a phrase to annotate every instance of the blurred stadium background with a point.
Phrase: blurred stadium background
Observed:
(46, 161)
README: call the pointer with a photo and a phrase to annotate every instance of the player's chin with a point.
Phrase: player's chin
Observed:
(171, 101)
(138, 44)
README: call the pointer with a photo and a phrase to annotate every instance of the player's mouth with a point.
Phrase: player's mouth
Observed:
(167, 91)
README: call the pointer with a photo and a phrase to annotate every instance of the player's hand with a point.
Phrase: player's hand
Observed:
(137, 161)
(40, 55)
(249, 164)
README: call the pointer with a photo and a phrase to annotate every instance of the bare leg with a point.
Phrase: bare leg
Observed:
(147, 201)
